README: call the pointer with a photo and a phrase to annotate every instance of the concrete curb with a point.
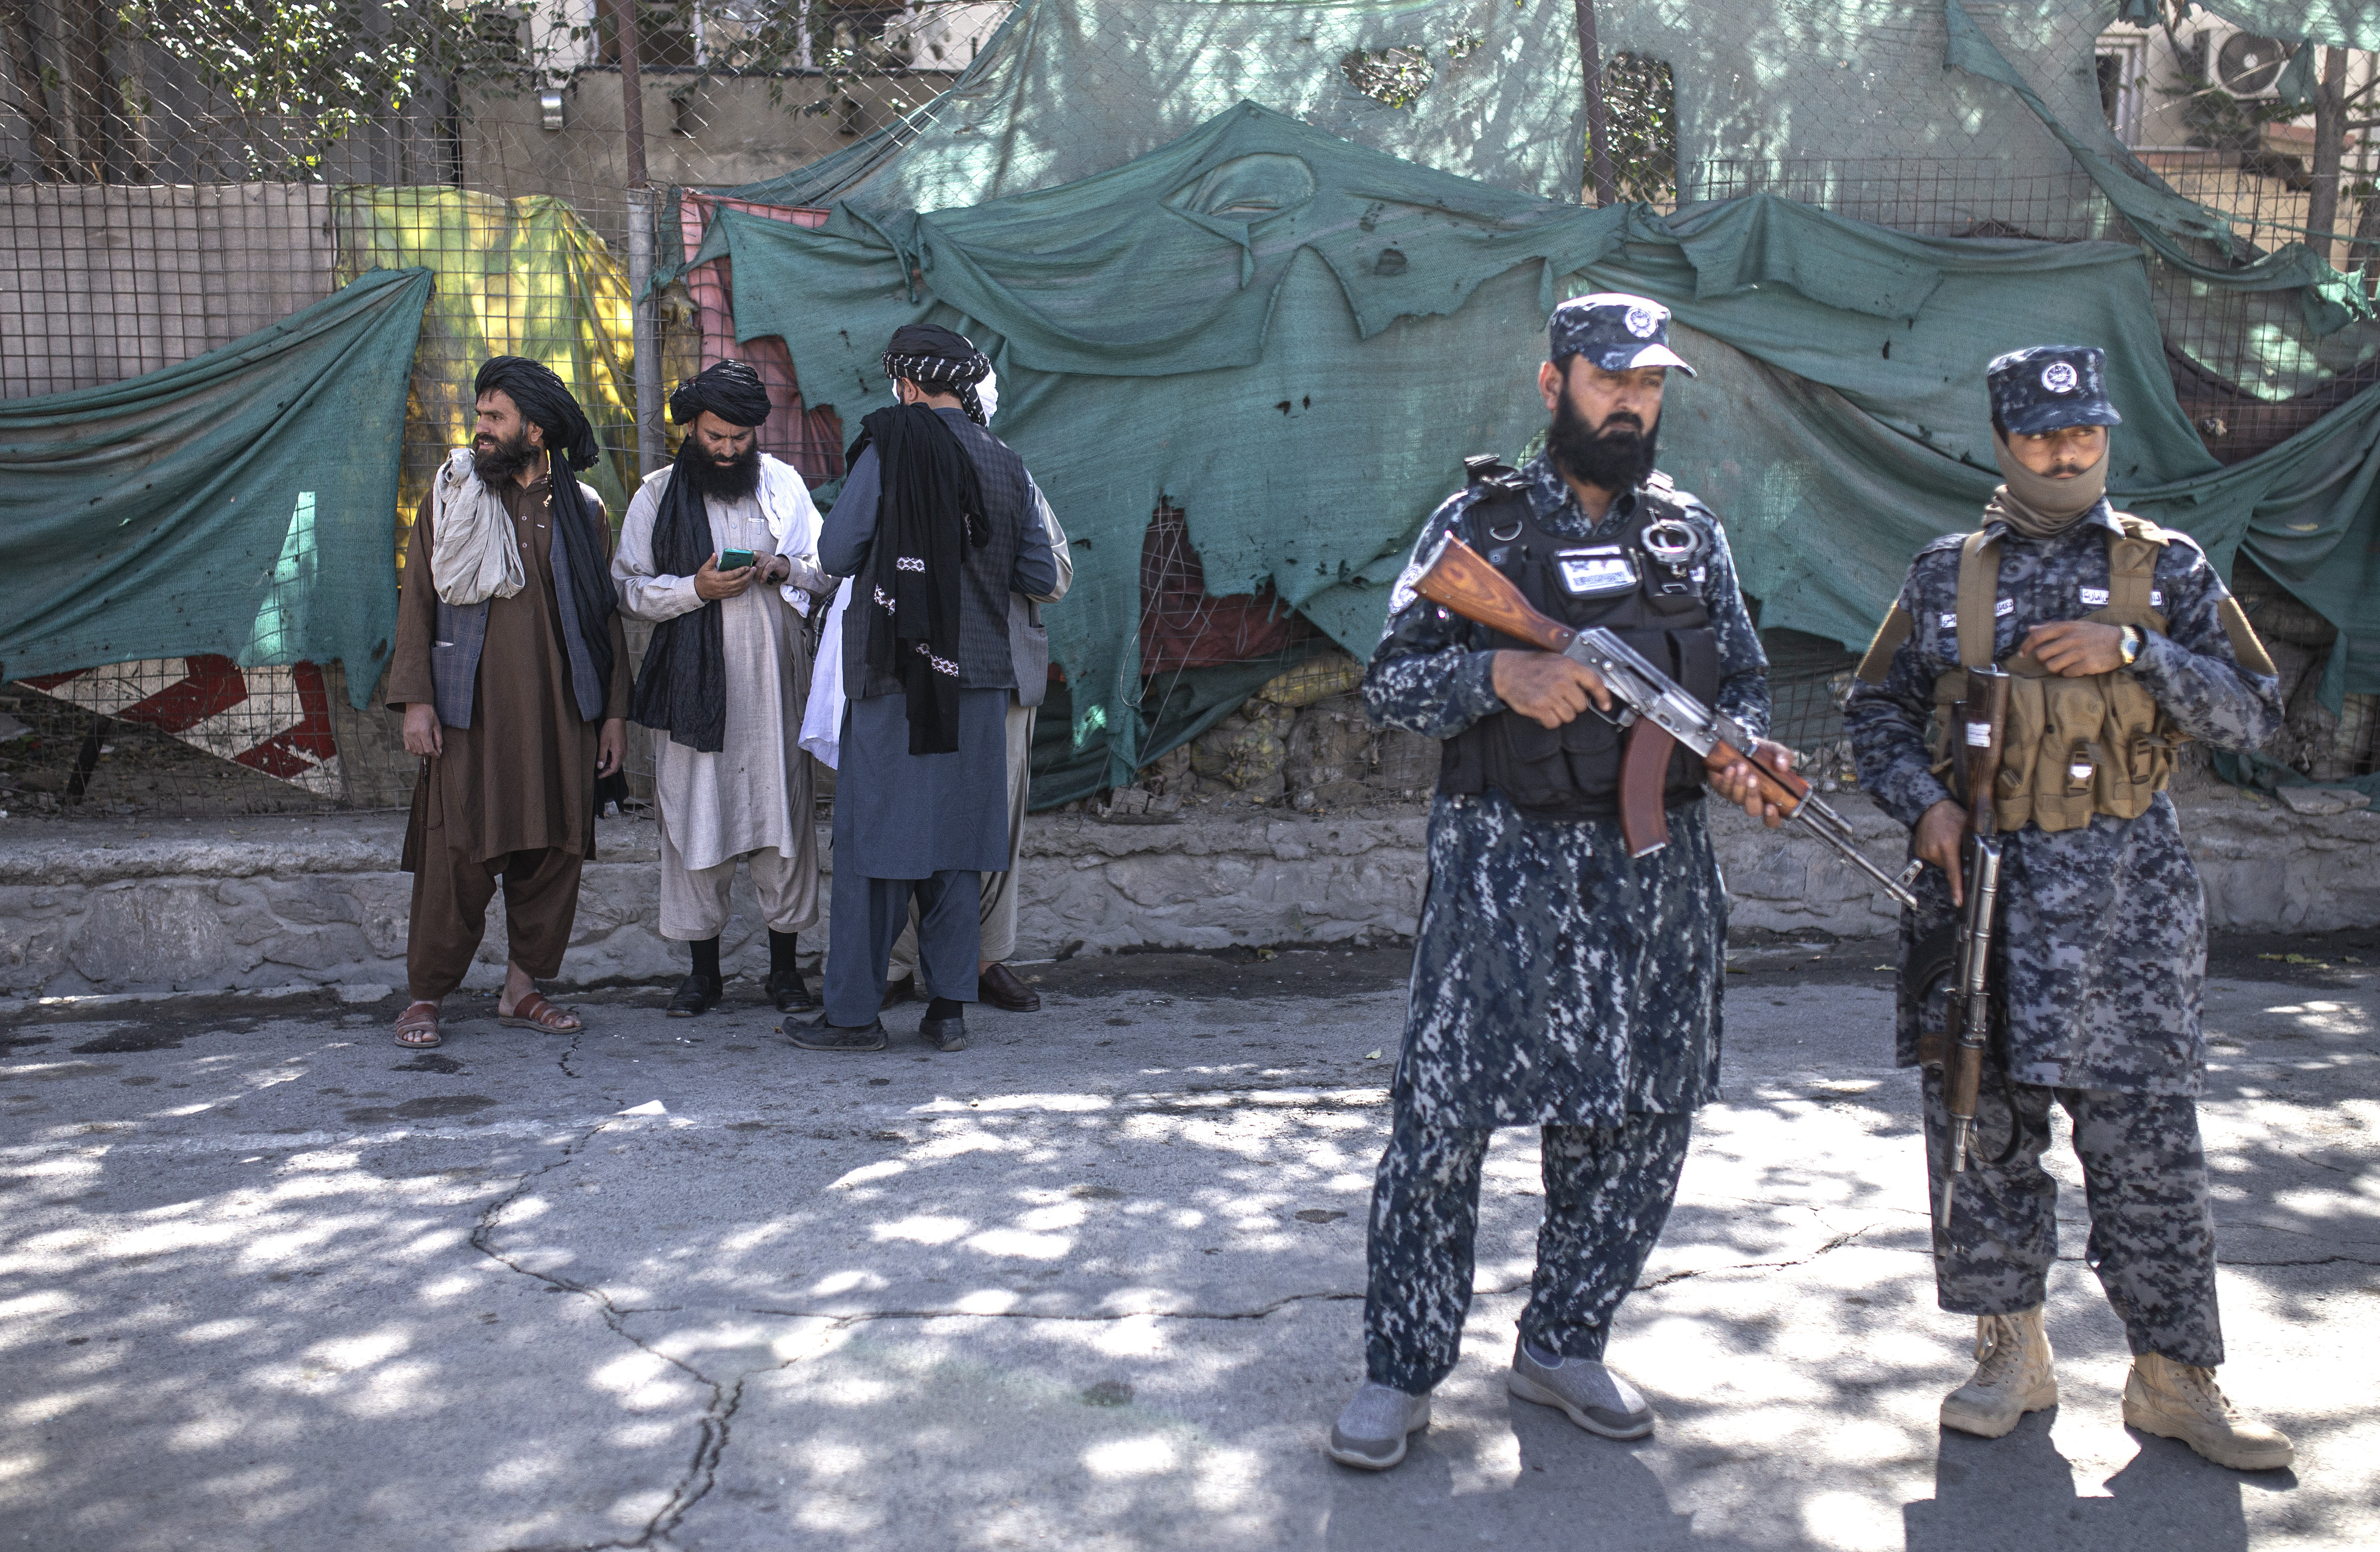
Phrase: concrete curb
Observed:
(262, 903)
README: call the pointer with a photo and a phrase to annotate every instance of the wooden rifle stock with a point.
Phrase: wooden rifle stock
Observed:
(1461, 579)
(1979, 730)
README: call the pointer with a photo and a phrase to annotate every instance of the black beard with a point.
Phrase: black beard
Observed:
(502, 458)
(1615, 458)
(729, 481)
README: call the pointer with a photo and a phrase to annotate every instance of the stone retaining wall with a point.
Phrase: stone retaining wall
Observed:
(252, 903)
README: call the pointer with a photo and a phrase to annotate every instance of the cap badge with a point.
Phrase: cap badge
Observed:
(2059, 377)
(1642, 322)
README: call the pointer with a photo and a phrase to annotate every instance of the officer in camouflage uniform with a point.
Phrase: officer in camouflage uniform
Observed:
(1557, 982)
(2125, 643)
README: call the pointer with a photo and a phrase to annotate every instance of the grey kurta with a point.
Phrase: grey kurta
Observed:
(899, 815)
(754, 793)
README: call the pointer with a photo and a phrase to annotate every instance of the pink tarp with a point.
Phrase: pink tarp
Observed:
(810, 440)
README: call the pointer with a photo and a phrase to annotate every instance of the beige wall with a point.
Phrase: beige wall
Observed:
(99, 282)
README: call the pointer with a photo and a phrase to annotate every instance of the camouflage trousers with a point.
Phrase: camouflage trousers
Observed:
(1607, 1192)
(2151, 1220)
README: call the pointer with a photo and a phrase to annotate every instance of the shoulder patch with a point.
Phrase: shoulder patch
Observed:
(1949, 542)
(2140, 527)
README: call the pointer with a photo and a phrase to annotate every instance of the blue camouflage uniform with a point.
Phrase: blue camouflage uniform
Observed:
(1556, 983)
(2103, 929)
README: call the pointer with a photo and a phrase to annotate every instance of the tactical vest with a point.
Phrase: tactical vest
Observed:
(1572, 771)
(2074, 748)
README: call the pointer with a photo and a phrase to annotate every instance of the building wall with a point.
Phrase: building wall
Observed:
(103, 282)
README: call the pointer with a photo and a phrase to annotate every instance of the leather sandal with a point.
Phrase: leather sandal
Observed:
(533, 1012)
(417, 1027)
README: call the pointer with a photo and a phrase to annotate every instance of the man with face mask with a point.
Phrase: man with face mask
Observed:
(1557, 982)
(2121, 643)
(725, 677)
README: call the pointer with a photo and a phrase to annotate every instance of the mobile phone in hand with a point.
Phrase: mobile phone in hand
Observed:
(735, 560)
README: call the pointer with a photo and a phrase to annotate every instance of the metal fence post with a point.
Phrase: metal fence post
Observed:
(648, 345)
(646, 335)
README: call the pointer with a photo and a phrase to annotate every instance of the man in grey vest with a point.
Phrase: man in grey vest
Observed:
(1029, 648)
(512, 671)
(932, 525)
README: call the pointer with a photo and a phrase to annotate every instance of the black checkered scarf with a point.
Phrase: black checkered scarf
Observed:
(939, 360)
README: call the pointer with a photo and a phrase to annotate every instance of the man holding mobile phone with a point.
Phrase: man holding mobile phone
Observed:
(720, 552)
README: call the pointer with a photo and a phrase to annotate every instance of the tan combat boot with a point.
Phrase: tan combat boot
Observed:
(2012, 1375)
(2181, 1401)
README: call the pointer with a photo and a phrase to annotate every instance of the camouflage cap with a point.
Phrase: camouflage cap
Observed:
(2044, 387)
(1615, 331)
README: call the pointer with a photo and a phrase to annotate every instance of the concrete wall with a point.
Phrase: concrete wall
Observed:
(108, 281)
(89, 908)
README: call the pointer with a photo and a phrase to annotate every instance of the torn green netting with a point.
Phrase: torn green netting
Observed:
(1296, 339)
(1198, 324)
(238, 504)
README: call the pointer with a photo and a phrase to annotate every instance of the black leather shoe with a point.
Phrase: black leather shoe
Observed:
(999, 987)
(789, 991)
(947, 1035)
(898, 993)
(820, 1036)
(694, 994)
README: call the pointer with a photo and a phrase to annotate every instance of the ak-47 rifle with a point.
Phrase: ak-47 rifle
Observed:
(1662, 714)
(1979, 730)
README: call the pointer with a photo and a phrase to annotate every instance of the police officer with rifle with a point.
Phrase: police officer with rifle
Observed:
(2020, 709)
(1566, 975)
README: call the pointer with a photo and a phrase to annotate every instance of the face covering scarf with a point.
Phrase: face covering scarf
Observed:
(2037, 506)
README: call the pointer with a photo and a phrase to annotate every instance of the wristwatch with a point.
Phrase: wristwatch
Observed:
(2128, 643)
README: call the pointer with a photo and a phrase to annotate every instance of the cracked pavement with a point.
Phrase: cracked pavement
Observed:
(267, 1281)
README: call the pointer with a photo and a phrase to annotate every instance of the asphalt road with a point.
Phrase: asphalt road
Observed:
(268, 1282)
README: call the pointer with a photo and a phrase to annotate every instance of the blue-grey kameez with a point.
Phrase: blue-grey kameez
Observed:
(1556, 983)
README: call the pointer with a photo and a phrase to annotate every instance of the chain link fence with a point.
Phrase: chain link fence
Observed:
(181, 173)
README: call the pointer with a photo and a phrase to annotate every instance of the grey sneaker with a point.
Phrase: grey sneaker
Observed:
(1370, 1434)
(1592, 1396)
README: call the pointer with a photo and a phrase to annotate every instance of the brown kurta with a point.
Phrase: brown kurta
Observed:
(521, 778)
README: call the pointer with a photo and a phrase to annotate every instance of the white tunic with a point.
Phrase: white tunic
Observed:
(754, 794)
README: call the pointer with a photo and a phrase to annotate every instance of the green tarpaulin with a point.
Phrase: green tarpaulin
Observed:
(1296, 339)
(238, 503)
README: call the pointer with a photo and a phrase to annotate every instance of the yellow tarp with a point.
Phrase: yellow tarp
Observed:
(514, 277)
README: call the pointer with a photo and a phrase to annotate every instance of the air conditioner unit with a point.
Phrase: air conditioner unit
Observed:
(2242, 63)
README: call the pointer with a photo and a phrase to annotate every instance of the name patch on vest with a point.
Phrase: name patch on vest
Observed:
(1594, 573)
(2094, 597)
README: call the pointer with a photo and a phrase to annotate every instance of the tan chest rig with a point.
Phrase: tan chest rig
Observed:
(2074, 748)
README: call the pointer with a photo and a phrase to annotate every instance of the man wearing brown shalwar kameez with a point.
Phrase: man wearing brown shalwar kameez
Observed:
(512, 670)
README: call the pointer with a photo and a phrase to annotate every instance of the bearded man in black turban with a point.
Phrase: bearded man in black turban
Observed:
(512, 671)
(720, 552)
(936, 527)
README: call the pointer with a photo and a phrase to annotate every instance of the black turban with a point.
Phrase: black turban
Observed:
(546, 403)
(583, 535)
(683, 690)
(730, 390)
(940, 361)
